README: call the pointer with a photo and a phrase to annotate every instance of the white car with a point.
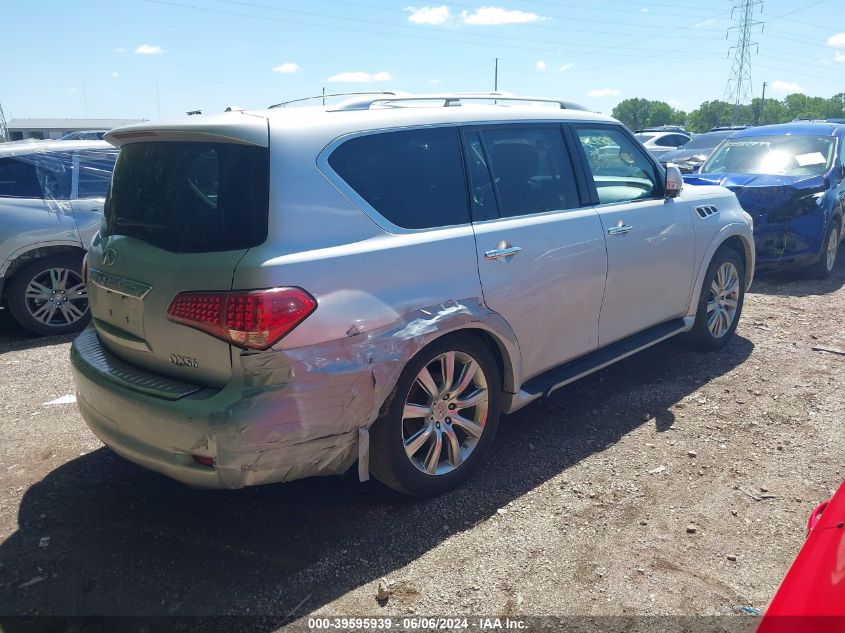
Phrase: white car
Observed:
(51, 204)
(283, 293)
(658, 143)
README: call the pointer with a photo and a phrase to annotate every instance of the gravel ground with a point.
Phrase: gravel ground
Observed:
(670, 483)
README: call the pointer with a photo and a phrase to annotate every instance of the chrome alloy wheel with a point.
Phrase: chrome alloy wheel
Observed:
(724, 300)
(57, 297)
(832, 247)
(445, 413)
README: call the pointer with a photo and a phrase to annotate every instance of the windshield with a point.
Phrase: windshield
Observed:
(787, 155)
(708, 141)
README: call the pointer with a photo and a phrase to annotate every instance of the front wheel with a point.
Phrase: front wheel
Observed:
(720, 303)
(441, 419)
(827, 259)
(48, 296)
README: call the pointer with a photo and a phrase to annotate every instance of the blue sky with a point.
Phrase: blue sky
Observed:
(142, 58)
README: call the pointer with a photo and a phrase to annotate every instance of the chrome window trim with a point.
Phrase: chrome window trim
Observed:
(377, 218)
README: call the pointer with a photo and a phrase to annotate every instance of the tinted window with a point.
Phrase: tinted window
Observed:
(190, 197)
(18, 179)
(708, 140)
(531, 170)
(620, 171)
(95, 170)
(787, 155)
(414, 178)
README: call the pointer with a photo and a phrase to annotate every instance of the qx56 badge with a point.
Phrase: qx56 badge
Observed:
(183, 361)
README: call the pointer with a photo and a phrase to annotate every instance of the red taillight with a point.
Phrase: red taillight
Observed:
(255, 319)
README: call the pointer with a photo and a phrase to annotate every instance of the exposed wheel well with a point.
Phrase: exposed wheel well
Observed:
(505, 370)
(37, 253)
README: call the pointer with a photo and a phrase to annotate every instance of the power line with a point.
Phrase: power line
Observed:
(739, 88)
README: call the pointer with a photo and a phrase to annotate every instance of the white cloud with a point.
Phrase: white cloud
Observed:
(434, 81)
(839, 57)
(564, 67)
(114, 75)
(786, 86)
(494, 16)
(541, 65)
(703, 23)
(287, 68)
(434, 16)
(603, 92)
(359, 77)
(148, 49)
(836, 41)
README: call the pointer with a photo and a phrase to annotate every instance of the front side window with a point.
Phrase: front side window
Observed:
(413, 178)
(95, 170)
(786, 155)
(531, 170)
(619, 170)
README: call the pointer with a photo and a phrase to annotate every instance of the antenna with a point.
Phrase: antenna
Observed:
(739, 89)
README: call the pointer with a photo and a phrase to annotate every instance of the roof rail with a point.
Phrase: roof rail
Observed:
(449, 100)
(335, 94)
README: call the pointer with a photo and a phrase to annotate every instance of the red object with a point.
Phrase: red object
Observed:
(812, 595)
(253, 319)
(204, 461)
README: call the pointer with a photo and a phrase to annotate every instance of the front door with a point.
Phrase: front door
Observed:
(650, 239)
(541, 254)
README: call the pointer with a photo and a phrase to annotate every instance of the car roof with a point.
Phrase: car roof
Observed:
(796, 127)
(37, 147)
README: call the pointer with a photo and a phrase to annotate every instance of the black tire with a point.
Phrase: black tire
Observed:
(822, 269)
(389, 462)
(701, 337)
(22, 310)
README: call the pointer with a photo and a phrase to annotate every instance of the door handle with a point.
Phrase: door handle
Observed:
(620, 229)
(499, 253)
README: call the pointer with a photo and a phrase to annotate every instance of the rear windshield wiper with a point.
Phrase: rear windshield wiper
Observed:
(138, 223)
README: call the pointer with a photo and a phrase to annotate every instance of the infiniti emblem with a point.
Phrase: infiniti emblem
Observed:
(109, 257)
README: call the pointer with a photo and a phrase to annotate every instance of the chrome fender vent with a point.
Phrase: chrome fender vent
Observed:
(706, 212)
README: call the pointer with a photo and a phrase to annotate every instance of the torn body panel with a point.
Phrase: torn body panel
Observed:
(286, 414)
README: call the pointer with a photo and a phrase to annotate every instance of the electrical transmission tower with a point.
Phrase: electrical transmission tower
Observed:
(739, 89)
(4, 133)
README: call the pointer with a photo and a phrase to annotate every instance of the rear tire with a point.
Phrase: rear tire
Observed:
(426, 443)
(827, 258)
(720, 303)
(45, 296)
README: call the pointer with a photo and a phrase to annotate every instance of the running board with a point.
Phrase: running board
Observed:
(561, 375)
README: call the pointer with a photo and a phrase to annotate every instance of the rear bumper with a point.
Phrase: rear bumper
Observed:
(250, 445)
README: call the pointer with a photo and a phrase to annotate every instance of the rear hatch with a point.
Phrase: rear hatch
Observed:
(187, 201)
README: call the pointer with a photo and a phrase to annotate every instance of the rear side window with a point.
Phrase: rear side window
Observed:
(18, 179)
(95, 170)
(531, 170)
(190, 197)
(414, 178)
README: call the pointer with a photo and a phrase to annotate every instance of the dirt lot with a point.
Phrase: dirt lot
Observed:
(671, 483)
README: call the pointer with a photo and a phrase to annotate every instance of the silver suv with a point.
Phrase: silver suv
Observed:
(51, 204)
(284, 293)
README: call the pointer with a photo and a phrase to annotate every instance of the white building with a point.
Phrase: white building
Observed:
(20, 129)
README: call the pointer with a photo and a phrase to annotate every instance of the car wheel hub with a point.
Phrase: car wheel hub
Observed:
(724, 300)
(57, 297)
(445, 413)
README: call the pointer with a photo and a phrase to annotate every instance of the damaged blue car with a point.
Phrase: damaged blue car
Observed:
(791, 179)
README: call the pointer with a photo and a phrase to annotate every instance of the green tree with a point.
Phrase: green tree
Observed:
(634, 113)
(710, 114)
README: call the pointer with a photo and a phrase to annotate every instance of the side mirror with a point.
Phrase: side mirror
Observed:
(674, 181)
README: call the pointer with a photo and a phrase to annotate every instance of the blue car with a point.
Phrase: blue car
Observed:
(791, 179)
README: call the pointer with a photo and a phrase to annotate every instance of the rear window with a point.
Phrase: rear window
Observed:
(190, 197)
(414, 178)
(18, 179)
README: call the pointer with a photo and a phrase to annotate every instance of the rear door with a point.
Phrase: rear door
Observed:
(92, 171)
(180, 215)
(650, 239)
(541, 254)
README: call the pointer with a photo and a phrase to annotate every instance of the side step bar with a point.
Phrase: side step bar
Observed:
(561, 375)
